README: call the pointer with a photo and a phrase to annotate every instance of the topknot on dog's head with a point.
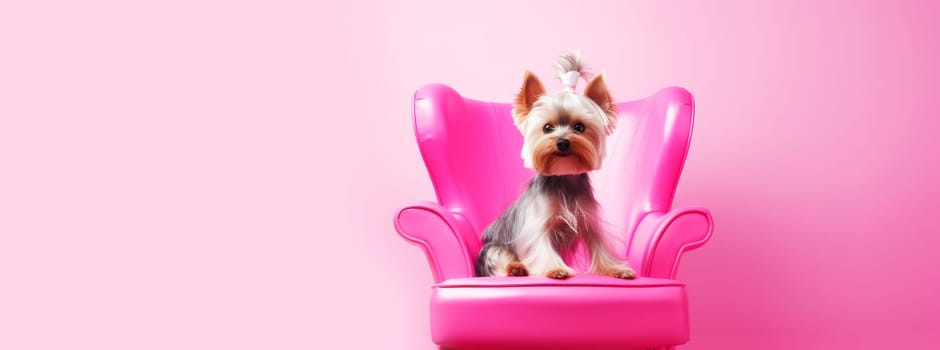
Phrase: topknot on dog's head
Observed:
(569, 68)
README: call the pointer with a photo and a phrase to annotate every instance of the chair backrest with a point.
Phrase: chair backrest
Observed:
(472, 153)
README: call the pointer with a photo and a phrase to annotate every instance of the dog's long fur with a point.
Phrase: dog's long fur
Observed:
(565, 134)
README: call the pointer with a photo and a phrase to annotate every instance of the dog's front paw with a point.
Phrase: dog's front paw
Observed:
(624, 272)
(559, 274)
(516, 269)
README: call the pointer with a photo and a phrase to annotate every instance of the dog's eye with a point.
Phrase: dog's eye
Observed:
(579, 127)
(548, 128)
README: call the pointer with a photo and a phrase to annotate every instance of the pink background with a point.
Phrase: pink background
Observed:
(222, 175)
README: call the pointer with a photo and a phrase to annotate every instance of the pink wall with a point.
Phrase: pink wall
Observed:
(219, 175)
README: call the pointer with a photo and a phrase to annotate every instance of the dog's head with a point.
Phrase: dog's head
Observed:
(565, 133)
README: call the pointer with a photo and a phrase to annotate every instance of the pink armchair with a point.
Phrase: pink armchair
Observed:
(471, 150)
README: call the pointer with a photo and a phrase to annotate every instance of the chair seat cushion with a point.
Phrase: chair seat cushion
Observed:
(582, 312)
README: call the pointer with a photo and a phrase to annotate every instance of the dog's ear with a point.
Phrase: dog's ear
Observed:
(531, 90)
(596, 90)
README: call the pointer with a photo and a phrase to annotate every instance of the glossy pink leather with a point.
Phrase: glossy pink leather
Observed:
(471, 150)
(584, 312)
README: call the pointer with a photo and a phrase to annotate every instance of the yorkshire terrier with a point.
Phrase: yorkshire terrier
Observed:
(565, 135)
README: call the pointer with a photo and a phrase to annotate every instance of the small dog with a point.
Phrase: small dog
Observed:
(565, 136)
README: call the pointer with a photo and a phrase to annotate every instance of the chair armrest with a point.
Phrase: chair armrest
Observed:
(441, 235)
(660, 239)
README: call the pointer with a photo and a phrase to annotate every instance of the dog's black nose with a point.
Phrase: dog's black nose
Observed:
(563, 145)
